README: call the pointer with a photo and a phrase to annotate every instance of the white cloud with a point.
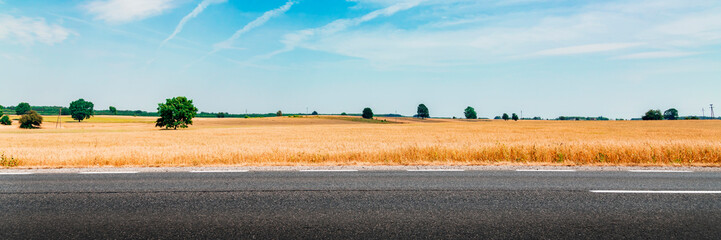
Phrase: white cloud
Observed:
(658, 54)
(588, 48)
(466, 38)
(292, 40)
(228, 43)
(25, 30)
(122, 11)
(201, 6)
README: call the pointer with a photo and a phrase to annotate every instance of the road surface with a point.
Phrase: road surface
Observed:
(361, 205)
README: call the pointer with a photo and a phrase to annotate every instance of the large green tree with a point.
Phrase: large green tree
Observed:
(671, 114)
(177, 112)
(22, 108)
(652, 115)
(367, 113)
(514, 116)
(470, 113)
(422, 111)
(31, 119)
(113, 110)
(505, 117)
(81, 109)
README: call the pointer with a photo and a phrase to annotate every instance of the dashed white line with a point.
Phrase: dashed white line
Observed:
(219, 171)
(659, 171)
(656, 191)
(545, 170)
(329, 170)
(107, 172)
(15, 173)
(435, 170)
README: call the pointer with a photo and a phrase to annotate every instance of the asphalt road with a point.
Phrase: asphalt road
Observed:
(361, 205)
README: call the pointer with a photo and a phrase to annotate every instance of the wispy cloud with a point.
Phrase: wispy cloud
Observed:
(588, 48)
(122, 11)
(292, 40)
(27, 31)
(228, 43)
(199, 9)
(658, 54)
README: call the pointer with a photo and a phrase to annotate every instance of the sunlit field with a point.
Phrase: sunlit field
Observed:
(334, 140)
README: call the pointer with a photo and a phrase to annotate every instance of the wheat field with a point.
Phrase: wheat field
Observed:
(288, 141)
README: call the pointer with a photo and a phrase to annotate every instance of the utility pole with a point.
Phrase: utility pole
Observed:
(703, 112)
(712, 116)
(57, 123)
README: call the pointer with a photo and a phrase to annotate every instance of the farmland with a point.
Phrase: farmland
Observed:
(336, 140)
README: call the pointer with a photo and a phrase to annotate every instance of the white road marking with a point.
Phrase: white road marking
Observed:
(329, 170)
(107, 172)
(656, 191)
(660, 171)
(15, 173)
(435, 170)
(545, 170)
(220, 171)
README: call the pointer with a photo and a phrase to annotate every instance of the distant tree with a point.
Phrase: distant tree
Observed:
(22, 108)
(343, 114)
(279, 113)
(652, 115)
(470, 113)
(31, 119)
(113, 110)
(506, 117)
(367, 113)
(562, 118)
(81, 110)
(537, 118)
(220, 115)
(671, 114)
(422, 111)
(176, 112)
(514, 117)
(692, 118)
(497, 117)
(5, 120)
(314, 113)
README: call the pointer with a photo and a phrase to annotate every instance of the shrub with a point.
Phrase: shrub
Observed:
(5, 120)
(8, 161)
(31, 120)
(652, 115)
(367, 113)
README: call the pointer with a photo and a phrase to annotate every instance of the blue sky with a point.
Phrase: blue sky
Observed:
(543, 57)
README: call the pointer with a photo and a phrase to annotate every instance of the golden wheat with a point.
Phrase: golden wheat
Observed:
(337, 141)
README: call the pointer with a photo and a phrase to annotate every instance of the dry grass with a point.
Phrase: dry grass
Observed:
(332, 141)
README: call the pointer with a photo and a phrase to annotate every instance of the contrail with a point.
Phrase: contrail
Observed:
(228, 43)
(292, 40)
(201, 6)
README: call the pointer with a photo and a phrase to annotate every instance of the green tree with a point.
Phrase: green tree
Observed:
(671, 114)
(220, 115)
(1, 110)
(470, 113)
(422, 111)
(367, 113)
(314, 113)
(279, 113)
(652, 115)
(31, 119)
(514, 117)
(22, 108)
(81, 109)
(343, 114)
(113, 110)
(176, 112)
(505, 117)
(5, 120)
